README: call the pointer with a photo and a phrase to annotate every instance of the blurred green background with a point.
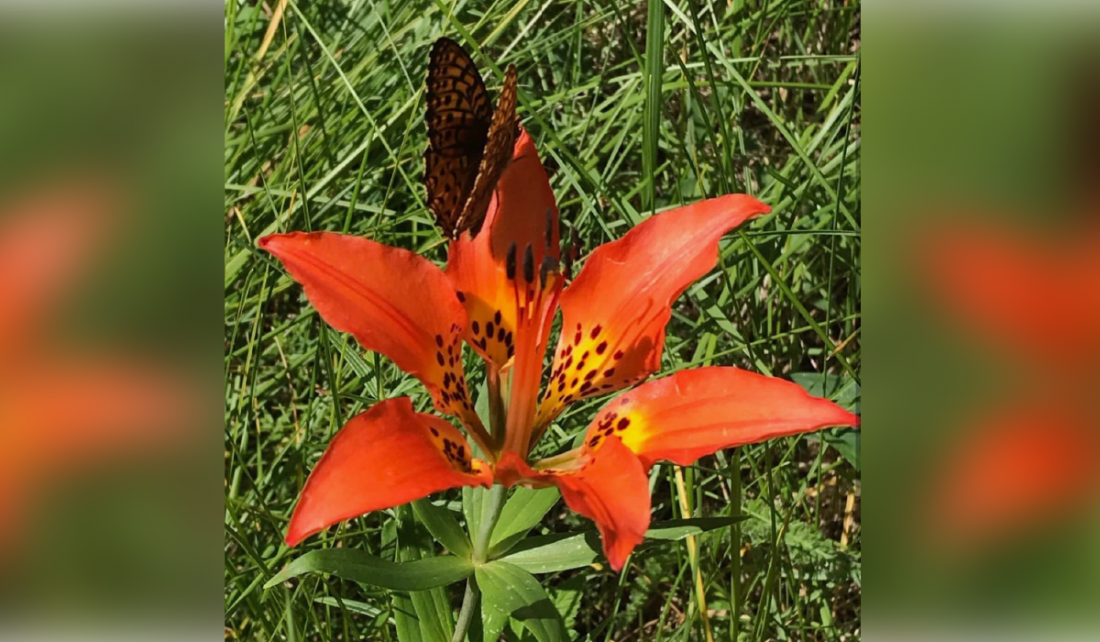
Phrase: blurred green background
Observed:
(126, 99)
(977, 113)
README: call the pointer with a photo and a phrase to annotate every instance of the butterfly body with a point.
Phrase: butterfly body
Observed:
(469, 143)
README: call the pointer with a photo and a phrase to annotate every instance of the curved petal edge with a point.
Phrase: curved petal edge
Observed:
(384, 457)
(697, 412)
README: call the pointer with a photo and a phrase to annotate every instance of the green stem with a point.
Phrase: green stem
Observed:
(497, 414)
(489, 515)
(490, 510)
(735, 570)
(466, 613)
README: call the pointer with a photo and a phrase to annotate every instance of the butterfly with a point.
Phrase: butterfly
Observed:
(469, 143)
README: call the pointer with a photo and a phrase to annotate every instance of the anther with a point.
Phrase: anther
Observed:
(510, 264)
(528, 264)
(549, 264)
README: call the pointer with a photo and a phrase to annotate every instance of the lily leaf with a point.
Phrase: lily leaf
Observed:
(677, 529)
(443, 526)
(353, 606)
(360, 566)
(557, 552)
(564, 551)
(523, 511)
(846, 393)
(421, 616)
(509, 591)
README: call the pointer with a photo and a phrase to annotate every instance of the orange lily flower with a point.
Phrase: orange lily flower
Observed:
(59, 410)
(499, 294)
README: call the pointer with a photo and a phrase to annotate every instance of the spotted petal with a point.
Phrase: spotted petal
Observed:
(386, 456)
(391, 300)
(697, 412)
(522, 212)
(609, 487)
(615, 312)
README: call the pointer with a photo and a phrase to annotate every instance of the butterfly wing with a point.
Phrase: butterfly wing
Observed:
(498, 151)
(459, 117)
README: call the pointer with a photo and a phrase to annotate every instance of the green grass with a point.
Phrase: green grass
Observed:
(634, 108)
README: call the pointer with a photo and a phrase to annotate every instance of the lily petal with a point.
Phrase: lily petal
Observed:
(522, 212)
(610, 487)
(615, 312)
(697, 412)
(386, 456)
(391, 300)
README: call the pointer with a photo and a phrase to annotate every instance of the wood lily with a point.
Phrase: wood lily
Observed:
(499, 294)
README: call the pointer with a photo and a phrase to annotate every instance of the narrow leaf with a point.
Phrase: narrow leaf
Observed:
(677, 529)
(360, 566)
(561, 552)
(443, 526)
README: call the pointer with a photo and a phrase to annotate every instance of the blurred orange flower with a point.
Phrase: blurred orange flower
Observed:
(1038, 456)
(60, 409)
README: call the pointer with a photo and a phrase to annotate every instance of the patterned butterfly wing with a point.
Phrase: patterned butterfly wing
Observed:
(498, 151)
(459, 117)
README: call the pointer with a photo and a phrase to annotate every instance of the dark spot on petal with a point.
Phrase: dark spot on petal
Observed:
(439, 358)
(475, 327)
(609, 372)
(596, 331)
(623, 423)
(601, 348)
(439, 340)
